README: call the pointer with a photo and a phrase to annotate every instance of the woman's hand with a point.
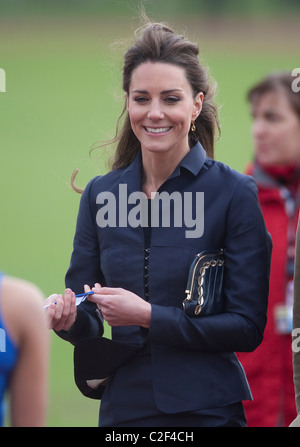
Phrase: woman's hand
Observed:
(62, 311)
(121, 307)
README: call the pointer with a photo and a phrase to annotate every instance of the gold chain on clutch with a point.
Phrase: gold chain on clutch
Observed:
(206, 265)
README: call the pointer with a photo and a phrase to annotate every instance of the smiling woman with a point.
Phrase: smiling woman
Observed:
(138, 273)
(161, 116)
(175, 56)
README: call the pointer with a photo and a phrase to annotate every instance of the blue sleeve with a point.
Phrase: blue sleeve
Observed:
(248, 248)
(84, 269)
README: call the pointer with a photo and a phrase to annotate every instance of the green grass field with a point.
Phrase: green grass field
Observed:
(63, 94)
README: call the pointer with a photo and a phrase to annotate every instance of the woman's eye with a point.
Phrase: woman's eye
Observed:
(273, 117)
(140, 99)
(172, 99)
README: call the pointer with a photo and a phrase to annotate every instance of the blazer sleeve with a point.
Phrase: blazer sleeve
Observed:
(248, 249)
(84, 269)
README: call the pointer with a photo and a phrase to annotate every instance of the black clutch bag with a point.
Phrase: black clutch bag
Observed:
(204, 285)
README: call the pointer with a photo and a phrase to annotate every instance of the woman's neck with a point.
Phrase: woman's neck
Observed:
(156, 169)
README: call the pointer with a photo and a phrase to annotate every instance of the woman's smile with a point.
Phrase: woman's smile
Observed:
(158, 130)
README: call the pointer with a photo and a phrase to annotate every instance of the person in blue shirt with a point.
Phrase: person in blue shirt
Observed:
(138, 230)
(24, 351)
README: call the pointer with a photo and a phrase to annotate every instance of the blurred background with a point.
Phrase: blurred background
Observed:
(62, 61)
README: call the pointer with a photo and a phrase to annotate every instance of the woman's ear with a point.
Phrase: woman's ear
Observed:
(198, 101)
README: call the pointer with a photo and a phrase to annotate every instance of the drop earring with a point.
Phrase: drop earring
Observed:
(193, 127)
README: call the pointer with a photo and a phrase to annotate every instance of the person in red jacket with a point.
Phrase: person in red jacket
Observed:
(275, 108)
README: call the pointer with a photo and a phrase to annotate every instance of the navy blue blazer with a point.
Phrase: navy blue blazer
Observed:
(193, 360)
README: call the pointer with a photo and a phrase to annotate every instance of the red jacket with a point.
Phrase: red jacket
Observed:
(269, 368)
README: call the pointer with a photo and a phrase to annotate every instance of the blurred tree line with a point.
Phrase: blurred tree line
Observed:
(152, 7)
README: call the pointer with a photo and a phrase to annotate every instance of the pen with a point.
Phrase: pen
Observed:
(83, 294)
(79, 298)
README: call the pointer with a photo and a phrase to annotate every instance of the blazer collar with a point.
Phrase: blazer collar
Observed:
(192, 162)
(194, 159)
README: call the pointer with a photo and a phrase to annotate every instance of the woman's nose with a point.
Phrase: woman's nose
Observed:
(155, 111)
(258, 128)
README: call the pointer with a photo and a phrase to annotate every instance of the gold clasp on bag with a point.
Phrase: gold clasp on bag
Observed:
(201, 274)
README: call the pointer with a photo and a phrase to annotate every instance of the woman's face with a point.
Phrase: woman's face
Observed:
(161, 107)
(275, 129)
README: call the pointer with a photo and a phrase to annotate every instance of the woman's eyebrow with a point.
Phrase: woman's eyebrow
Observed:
(172, 90)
